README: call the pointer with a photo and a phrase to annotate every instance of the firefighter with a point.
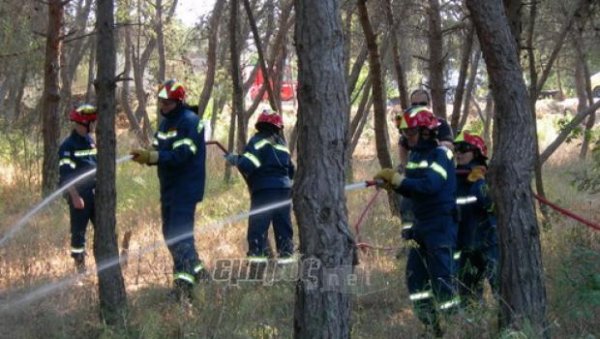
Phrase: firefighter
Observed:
(418, 98)
(179, 153)
(430, 182)
(267, 166)
(77, 155)
(477, 235)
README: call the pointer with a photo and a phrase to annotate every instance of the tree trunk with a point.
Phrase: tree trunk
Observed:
(398, 68)
(589, 95)
(469, 91)
(51, 97)
(213, 34)
(436, 59)
(111, 287)
(238, 91)
(89, 93)
(522, 291)
(134, 124)
(160, 48)
(462, 77)
(261, 57)
(380, 117)
(323, 308)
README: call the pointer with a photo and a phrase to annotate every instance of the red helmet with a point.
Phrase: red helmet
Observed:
(418, 116)
(172, 90)
(84, 114)
(270, 117)
(473, 140)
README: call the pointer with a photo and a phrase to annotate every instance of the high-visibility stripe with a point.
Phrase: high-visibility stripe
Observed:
(167, 135)
(154, 141)
(449, 304)
(252, 158)
(421, 296)
(466, 200)
(186, 141)
(407, 226)
(449, 153)
(67, 161)
(439, 170)
(198, 268)
(200, 126)
(77, 250)
(258, 259)
(281, 148)
(85, 153)
(456, 255)
(262, 143)
(163, 93)
(414, 165)
(285, 261)
(185, 276)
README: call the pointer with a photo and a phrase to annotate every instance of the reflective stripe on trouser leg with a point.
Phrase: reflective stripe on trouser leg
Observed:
(185, 277)
(419, 287)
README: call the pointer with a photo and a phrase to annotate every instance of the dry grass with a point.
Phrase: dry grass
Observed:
(38, 256)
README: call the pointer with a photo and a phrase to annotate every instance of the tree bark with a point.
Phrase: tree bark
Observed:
(462, 77)
(522, 291)
(238, 91)
(211, 58)
(398, 68)
(111, 287)
(323, 308)
(436, 59)
(469, 91)
(51, 97)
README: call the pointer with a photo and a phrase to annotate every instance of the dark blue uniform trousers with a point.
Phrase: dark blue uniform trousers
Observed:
(430, 269)
(178, 230)
(475, 266)
(259, 223)
(79, 221)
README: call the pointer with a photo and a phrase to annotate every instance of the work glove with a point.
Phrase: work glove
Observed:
(232, 159)
(477, 173)
(390, 177)
(145, 156)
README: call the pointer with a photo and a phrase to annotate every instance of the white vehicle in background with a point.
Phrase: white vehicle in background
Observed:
(595, 79)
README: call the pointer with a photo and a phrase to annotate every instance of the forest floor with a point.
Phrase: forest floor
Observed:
(41, 297)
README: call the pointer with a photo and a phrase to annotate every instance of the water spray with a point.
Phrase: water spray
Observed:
(23, 221)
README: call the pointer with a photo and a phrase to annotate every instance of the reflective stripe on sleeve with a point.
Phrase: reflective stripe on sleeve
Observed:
(252, 158)
(67, 161)
(439, 170)
(85, 153)
(77, 250)
(188, 142)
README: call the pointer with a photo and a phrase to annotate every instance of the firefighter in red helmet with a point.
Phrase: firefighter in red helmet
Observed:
(430, 182)
(77, 155)
(267, 166)
(179, 153)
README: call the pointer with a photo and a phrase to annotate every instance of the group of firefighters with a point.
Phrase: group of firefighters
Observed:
(446, 212)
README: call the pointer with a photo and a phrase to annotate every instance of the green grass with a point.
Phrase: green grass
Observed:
(380, 309)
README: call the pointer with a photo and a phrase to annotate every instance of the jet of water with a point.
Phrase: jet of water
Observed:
(51, 288)
(23, 221)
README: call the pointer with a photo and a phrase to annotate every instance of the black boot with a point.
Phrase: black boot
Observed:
(79, 259)
(182, 291)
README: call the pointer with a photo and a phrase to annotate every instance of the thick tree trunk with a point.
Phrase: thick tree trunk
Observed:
(523, 293)
(111, 287)
(211, 59)
(436, 59)
(51, 97)
(322, 307)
